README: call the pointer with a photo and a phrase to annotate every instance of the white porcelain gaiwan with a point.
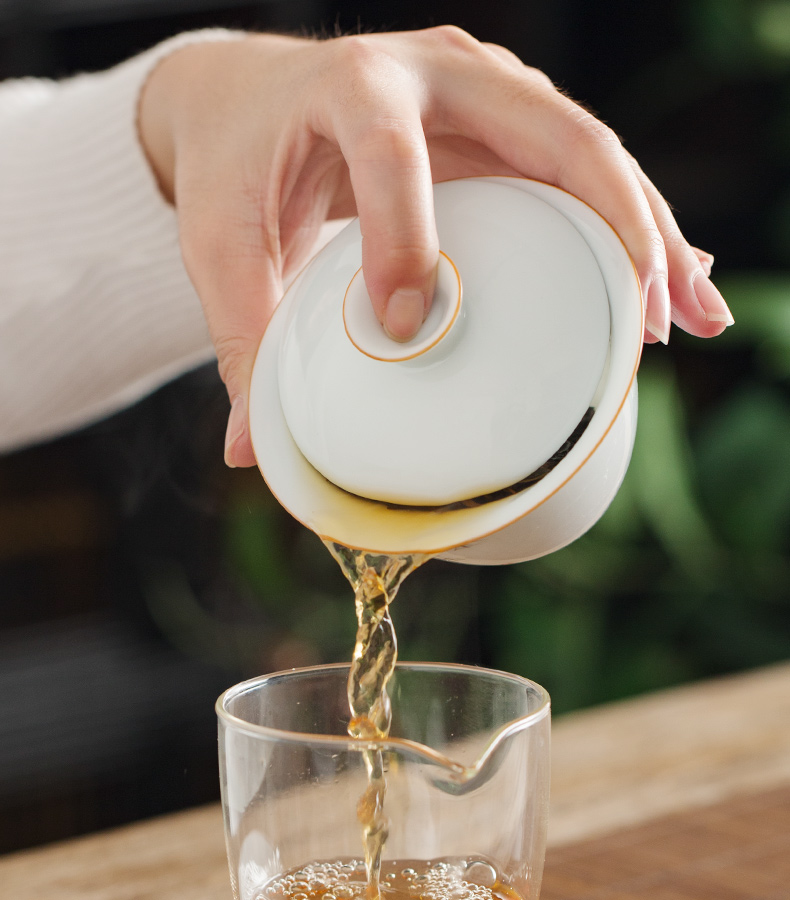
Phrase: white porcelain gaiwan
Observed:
(524, 373)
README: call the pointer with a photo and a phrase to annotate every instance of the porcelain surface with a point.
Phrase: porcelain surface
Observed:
(571, 498)
(470, 406)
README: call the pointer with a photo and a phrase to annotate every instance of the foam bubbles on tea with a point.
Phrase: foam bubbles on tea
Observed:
(474, 879)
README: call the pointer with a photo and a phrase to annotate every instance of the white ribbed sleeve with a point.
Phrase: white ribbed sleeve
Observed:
(96, 309)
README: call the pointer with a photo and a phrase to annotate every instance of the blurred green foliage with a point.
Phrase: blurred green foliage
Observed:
(687, 574)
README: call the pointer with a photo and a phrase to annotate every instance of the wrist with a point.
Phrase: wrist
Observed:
(177, 95)
(155, 116)
(159, 98)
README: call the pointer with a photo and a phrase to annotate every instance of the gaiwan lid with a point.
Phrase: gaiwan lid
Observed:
(499, 376)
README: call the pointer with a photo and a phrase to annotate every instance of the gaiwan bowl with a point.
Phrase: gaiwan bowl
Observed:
(503, 430)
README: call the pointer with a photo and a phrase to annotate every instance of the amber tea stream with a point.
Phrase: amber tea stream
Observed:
(375, 579)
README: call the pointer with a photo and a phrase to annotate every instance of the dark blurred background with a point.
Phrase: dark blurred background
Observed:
(139, 577)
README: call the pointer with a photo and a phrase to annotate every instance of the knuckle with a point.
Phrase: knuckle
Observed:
(356, 55)
(656, 242)
(681, 256)
(232, 356)
(409, 261)
(654, 251)
(676, 244)
(539, 78)
(391, 140)
(587, 140)
(363, 74)
(591, 135)
(413, 256)
(454, 38)
(503, 53)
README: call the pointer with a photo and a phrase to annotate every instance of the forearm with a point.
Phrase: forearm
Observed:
(96, 309)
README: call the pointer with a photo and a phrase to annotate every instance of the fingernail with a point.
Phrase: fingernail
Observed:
(237, 422)
(404, 314)
(659, 310)
(712, 302)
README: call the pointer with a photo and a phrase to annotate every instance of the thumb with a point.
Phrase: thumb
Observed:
(239, 284)
(235, 365)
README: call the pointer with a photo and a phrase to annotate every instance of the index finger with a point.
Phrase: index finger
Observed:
(378, 127)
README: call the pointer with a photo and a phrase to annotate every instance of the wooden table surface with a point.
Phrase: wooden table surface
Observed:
(679, 795)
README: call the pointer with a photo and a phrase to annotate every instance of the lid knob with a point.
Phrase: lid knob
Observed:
(366, 334)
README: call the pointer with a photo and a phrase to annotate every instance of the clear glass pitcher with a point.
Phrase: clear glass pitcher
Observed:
(467, 786)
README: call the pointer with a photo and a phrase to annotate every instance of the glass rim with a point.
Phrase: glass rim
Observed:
(390, 743)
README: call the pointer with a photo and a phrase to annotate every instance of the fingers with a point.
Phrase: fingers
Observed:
(517, 113)
(468, 95)
(543, 135)
(697, 306)
(378, 127)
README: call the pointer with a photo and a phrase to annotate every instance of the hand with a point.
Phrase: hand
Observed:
(259, 141)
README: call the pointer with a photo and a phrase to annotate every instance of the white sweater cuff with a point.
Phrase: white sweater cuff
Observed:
(96, 309)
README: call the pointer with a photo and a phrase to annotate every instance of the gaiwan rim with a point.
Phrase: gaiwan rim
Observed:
(336, 515)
